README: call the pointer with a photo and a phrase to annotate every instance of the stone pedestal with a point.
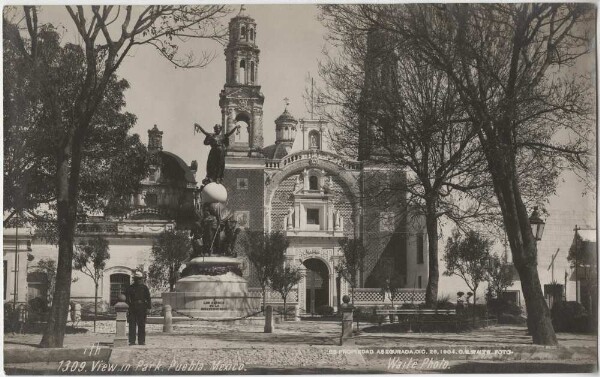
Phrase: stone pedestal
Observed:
(212, 289)
(347, 319)
(269, 319)
(168, 320)
(120, 335)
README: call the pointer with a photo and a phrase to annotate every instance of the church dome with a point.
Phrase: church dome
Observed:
(285, 128)
(285, 117)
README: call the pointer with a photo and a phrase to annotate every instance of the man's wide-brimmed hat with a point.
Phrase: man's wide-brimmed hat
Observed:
(138, 274)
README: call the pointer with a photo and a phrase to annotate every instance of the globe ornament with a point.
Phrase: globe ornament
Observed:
(214, 193)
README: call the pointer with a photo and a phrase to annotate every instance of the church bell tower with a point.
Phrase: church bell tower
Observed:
(240, 100)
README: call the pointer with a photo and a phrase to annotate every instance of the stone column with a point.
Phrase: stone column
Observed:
(302, 288)
(297, 216)
(331, 288)
(257, 136)
(297, 311)
(236, 70)
(120, 335)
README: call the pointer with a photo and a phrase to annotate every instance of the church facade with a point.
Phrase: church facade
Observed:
(301, 187)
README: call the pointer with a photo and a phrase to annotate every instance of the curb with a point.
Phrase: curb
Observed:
(15, 356)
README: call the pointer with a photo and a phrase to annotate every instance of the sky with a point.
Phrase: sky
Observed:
(291, 40)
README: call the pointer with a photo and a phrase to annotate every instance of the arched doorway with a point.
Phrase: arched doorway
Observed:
(317, 284)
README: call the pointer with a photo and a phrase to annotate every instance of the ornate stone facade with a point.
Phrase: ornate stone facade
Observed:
(316, 197)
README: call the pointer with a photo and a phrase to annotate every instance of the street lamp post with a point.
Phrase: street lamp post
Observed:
(537, 228)
(537, 224)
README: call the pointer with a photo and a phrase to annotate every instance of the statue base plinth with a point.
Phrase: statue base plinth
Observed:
(212, 294)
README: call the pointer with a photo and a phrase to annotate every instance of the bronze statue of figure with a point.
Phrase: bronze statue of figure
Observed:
(215, 166)
(215, 233)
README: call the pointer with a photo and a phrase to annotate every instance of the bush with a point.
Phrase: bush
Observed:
(38, 310)
(11, 317)
(501, 306)
(480, 310)
(570, 316)
(365, 314)
(444, 303)
(324, 310)
(470, 311)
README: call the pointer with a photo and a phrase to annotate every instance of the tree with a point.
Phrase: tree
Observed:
(350, 266)
(500, 275)
(266, 252)
(169, 250)
(107, 35)
(114, 161)
(514, 67)
(399, 111)
(90, 258)
(283, 280)
(467, 256)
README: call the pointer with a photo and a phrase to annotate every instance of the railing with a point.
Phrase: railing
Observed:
(375, 296)
(313, 155)
(274, 297)
(272, 164)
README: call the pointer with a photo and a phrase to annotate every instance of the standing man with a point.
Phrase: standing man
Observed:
(138, 299)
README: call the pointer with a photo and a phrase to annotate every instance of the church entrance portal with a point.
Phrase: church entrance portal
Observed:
(317, 284)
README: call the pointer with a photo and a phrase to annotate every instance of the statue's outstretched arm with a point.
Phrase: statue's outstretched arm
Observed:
(232, 131)
(198, 127)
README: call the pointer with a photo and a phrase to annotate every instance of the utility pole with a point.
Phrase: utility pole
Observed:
(552, 264)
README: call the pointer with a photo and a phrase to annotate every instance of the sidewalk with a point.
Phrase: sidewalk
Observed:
(311, 347)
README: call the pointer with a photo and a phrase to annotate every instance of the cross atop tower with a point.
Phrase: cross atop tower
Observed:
(287, 102)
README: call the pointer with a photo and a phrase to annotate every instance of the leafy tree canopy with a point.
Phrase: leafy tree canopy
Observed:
(169, 250)
(38, 101)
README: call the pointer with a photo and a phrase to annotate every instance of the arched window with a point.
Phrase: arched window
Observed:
(252, 72)
(314, 140)
(243, 71)
(232, 71)
(243, 32)
(313, 182)
(242, 134)
(118, 285)
(251, 34)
